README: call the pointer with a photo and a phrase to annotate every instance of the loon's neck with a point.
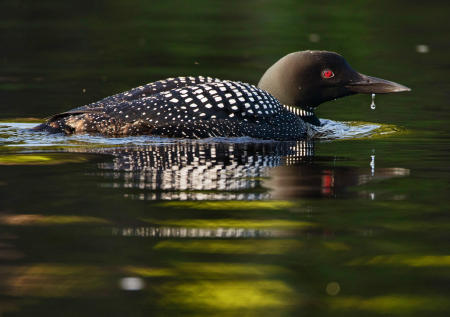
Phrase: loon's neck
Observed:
(307, 114)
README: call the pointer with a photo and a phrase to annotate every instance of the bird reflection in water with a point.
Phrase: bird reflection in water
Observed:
(200, 170)
(233, 171)
(224, 171)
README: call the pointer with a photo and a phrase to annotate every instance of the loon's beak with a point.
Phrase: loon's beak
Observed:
(364, 84)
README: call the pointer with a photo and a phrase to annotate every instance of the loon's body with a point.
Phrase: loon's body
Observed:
(200, 107)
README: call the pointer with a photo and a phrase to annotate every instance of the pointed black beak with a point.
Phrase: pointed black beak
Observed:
(364, 84)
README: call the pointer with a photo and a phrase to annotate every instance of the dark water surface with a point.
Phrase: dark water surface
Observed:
(352, 223)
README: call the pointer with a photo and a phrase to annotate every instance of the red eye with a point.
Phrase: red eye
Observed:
(327, 73)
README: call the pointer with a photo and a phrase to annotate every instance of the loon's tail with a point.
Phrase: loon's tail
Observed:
(68, 122)
(46, 127)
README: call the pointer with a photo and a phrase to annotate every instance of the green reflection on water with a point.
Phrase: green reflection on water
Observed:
(392, 304)
(237, 223)
(215, 270)
(229, 205)
(405, 260)
(230, 295)
(280, 246)
(42, 159)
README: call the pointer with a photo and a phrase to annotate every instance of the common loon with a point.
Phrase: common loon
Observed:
(278, 108)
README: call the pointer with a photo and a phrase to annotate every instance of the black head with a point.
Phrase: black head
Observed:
(309, 78)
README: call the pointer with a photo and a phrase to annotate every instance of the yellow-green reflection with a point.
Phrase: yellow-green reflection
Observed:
(35, 219)
(229, 205)
(382, 131)
(280, 246)
(230, 269)
(336, 246)
(405, 260)
(149, 271)
(230, 294)
(42, 159)
(233, 223)
(209, 270)
(399, 304)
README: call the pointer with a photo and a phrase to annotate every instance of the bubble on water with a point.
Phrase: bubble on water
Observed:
(333, 288)
(372, 105)
(131, 283)
(422, 48)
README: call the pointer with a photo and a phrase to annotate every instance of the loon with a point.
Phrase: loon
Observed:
(280, 107)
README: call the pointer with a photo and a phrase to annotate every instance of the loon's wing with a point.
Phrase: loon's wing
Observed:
(74, 112)
(224, 108)
(54, 123)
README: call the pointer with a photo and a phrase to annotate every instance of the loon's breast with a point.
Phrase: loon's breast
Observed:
(187, 107)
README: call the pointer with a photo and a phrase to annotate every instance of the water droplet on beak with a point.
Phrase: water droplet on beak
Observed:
(372, 105)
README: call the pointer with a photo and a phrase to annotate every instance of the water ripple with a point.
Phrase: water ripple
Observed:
(19, 134)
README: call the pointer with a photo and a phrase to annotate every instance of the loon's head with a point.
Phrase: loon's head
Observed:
(308, 78)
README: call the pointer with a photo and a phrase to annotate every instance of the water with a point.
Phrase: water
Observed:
(351, 222)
